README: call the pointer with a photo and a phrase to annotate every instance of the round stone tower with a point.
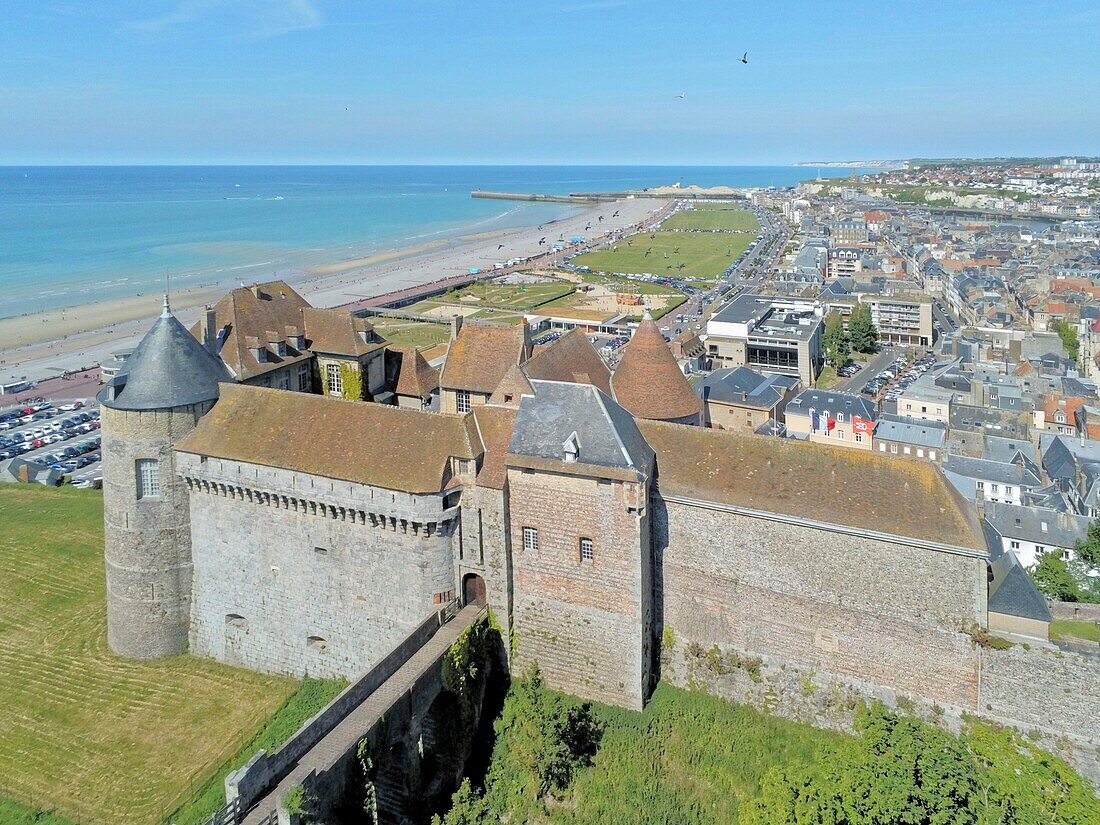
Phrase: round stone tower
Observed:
(170, 382)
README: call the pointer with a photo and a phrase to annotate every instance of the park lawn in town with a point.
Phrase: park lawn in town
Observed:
(683, 255)
(710, 216)
(84, 733)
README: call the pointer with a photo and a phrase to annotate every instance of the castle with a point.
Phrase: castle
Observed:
(255, 518)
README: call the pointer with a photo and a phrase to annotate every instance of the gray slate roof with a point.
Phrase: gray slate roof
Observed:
(741, 385)
(606, 433)
(985, 470)
(911, 431)
(1012, 593)
(833, 402)
(1017, 522)
(168, 369)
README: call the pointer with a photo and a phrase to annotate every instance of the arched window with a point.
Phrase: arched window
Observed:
(236, 620)
(317, 643)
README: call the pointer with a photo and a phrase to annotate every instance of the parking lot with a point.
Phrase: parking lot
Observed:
(62, 434)
(887, 383)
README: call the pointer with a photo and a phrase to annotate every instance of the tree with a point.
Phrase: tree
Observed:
(835, 340)
(1054, 580)
(861, 329)
(1068, 333)
(1088, 551)
(468, 807)
(898, 771)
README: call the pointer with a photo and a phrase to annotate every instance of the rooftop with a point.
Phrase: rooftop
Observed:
(800, 479)
(649, 383)
(390, 447)
(168, 369)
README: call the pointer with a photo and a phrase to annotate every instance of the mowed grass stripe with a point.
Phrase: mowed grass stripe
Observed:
(704, 255)
(720, 216)
(97, 738)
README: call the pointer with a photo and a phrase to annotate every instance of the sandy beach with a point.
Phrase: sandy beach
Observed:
(40, 345)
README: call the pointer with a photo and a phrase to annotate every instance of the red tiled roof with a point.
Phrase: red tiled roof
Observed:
(648, 382)
(570, 358)
(390, 447)
(480, 356)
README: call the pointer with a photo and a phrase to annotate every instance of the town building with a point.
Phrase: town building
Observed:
(743, 400)
(768, 334)
(836, 418)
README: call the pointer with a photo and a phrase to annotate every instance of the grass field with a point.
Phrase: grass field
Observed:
(724, 216)
(1072, 628)
(513, 297)
(96, 738)
(417, 334)
(704, 256)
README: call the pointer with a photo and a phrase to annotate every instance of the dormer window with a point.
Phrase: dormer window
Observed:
(570, 448)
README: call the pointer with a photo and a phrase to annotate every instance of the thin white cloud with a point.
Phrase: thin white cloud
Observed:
(595, 5)
(243, 20)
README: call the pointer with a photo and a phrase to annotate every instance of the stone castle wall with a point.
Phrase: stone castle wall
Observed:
(484, 548)
(857, 607)
(147, 542)
(586, 623)
(300, 574)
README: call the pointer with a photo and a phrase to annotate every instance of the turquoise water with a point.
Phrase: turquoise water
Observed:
(70, 235)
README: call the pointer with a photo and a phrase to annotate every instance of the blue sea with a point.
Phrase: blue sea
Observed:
(71, 235)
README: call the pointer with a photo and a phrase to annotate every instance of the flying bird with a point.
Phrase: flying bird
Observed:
(745, 58)
(681, 95)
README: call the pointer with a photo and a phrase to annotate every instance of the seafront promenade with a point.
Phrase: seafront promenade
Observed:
(39, 346)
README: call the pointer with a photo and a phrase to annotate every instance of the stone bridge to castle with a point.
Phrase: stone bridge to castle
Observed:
(394, 707)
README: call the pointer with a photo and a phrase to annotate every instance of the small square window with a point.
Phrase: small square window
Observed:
(587, 552)
(530, 538)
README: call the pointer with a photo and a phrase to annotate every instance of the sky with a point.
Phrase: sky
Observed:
(534, 81)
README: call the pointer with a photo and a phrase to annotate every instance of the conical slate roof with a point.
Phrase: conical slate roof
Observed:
(648, 382)
(168, 369)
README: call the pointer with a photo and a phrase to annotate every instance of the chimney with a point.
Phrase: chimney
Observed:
(979, 503)
(456, 326)
(528, 348)
(255, 290)
(209, 330)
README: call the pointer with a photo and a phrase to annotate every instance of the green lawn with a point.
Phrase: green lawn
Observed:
(84, 733)
(704, 256)
(827, 378)
(724, 216)
(515, 297)
(1075, 629)
(417, 334)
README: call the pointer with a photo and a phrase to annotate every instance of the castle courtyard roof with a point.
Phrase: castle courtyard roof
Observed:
(648, 382)
(168, 369)
(829, 484)
(494, 428)
(571, 358)
(480, 355)
(562, 417)
(254, 312)
(415, 376)
(390, 447)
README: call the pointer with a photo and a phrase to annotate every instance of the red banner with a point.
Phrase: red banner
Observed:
(862, 425)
